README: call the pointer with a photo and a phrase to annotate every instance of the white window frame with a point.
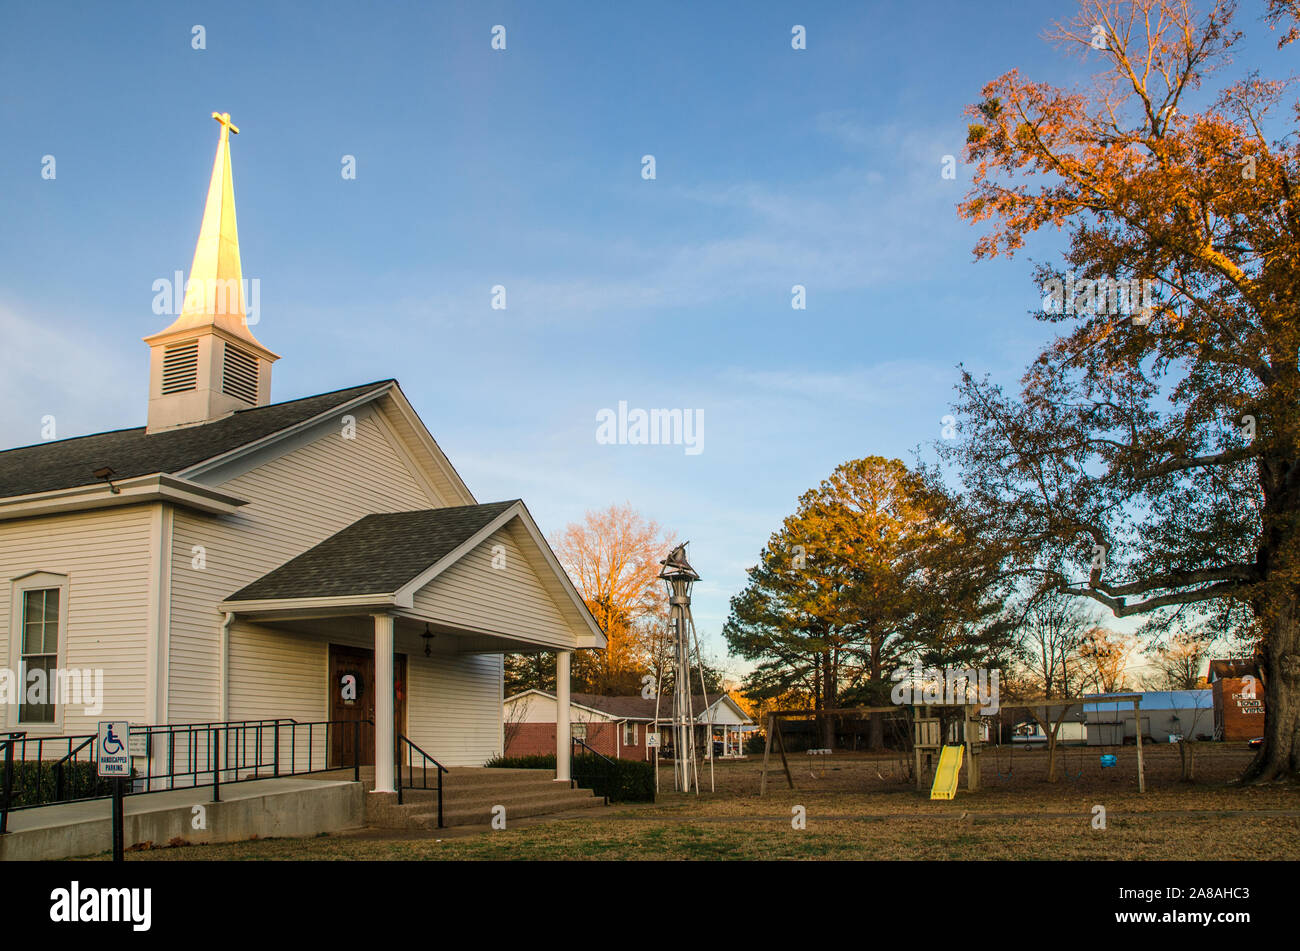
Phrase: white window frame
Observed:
(632, 726)
(35, 581)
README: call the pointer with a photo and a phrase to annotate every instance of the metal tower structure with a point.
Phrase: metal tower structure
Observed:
(679, 577)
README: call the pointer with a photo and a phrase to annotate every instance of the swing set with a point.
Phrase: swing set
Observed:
(927, 742)
(776, 740)
(1038, 709)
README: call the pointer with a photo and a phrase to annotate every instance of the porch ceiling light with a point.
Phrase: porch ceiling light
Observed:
(427, 637)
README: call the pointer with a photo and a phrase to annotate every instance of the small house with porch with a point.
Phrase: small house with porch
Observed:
(619, 726)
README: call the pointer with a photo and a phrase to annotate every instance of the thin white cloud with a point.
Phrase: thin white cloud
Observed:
(851, 228)
(891, 383)
(53, 369)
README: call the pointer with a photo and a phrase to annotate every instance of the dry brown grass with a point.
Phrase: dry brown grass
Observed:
(854, 813)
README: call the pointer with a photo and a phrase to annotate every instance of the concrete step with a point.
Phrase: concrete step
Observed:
(382, 809)
(454, 793)
(469, 793)
(482, 814)
(460, 776)
(386, 803)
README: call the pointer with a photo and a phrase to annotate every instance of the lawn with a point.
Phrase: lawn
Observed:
(857, 808)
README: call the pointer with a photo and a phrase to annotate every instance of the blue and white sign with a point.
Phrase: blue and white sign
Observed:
(112, 749)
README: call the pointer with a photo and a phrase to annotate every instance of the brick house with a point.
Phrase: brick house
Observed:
(616, 726)
(1238, 699)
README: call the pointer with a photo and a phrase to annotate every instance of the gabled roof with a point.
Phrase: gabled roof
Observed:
(380, 562)
(1150, 700)
(1233, 667)
(572, 702)
(640, 708)
(67, 463)
(377, 554)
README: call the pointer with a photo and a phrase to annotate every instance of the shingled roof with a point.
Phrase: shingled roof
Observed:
(640, 708)
(1233, 667)
(67, 463)
(377, 554)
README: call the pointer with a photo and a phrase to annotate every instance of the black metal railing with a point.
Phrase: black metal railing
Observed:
(177, 755)
(606, 770)
(7, 776)
(404, 745)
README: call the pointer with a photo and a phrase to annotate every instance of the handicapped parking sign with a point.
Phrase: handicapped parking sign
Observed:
(112, 753)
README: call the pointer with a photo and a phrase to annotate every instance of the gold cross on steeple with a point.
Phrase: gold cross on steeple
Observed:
(224, 119)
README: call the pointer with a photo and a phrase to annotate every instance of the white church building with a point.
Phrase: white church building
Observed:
(317, 560)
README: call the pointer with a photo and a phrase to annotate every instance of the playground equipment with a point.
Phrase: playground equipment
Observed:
(1039, 709)
(928, 746)
(777, 741)
(926, 742)
(948, 773)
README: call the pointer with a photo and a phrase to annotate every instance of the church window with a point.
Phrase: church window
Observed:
(40, 651)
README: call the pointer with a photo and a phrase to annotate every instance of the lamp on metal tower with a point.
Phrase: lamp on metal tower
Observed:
(679, 577)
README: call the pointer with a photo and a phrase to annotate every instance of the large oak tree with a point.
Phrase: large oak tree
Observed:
(1151, 460)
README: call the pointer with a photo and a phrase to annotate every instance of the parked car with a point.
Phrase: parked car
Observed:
(1257, 742)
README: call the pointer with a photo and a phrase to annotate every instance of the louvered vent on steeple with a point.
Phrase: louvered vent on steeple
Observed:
(239, 375)
(181, 367)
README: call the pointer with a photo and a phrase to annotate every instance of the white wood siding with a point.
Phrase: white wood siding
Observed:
(510, 601)
(723, 715)
(295, 501)
(453, 702)
(453, 706)
(106, 558)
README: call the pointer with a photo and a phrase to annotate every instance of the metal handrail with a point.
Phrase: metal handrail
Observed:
(424, 770)
(58, 766)
(196, 754)
(610, 765)
(7, 783)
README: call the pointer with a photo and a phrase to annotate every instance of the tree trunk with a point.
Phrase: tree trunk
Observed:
(1279, 758)
(1051, 729)
(828, 691)
(879, 689)
(877, 741)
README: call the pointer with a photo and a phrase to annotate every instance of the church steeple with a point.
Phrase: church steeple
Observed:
(207, 363)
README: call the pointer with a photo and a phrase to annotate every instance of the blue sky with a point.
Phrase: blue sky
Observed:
(522, 168)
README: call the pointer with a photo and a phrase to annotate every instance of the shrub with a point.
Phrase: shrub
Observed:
(623, 781)
(35, 782)
(536, 761)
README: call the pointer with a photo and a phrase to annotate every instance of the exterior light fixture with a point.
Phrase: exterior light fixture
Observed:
(427, 637)
(107, 475)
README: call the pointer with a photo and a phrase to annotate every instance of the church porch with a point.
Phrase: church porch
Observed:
(401, 622)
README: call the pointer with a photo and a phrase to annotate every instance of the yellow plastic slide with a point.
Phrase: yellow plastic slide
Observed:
(949, 771)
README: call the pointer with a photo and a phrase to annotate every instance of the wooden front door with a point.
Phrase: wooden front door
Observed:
(352, 697)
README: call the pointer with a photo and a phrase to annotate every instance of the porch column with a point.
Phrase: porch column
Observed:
(563, 742)
(384, 739)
